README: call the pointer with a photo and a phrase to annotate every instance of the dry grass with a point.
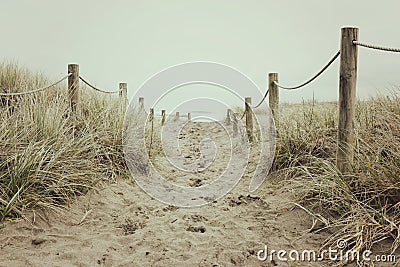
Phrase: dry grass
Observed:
(363, 207)
(47, 154)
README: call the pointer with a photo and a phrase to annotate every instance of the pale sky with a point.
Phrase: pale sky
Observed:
(130, 41)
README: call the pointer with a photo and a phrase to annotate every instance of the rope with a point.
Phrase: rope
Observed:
(262, 100)
(97, 89)
(244, 113)
(313, 78)
(390, 49)
(36, 90)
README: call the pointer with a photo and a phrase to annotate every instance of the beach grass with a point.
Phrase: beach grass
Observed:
(48, 156)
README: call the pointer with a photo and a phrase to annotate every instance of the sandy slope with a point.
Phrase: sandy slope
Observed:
(120, 225)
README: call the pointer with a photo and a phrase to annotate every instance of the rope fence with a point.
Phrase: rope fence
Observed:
(347, 95)
(377, 47)
(36, 90)
(348, 54)
(97, 89)
(312, 78)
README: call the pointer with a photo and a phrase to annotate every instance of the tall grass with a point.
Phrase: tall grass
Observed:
(47, 154)
(362, 207)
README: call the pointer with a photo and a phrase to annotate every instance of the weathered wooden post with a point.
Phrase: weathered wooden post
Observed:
(189, 116)
(235, 126)
(73, 86)
(141, 103)
(123, 95)
(273, 92)
(123, 92)
(176, 116)
(162, 117)
(151, 120)
(228, 117)
(249, 118)
(347, 98)
(151, 116)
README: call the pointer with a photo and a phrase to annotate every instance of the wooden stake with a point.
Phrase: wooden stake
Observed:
(141, 103)
(347, 98)
(73, 86)
(123, 95)
(123, 92)
(162, 117)
(273, 92)
(176, 116)
(189, 116)
(228, 117)
(151, 117)
(235, 126)
(249, 118)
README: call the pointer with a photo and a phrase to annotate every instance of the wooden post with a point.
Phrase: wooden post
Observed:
(176, 116)
(347, 98)
(189, 116)
(228, 117)
(249, 118)
(123, 92)
(73, 86)
(151, 117)
(273, 92)
(123, 95)
(235, 126)
(141, 103)
(162, 117)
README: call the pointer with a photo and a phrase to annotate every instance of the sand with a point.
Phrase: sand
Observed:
(121, 225)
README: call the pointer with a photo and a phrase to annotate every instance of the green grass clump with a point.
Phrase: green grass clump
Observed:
(49, 155)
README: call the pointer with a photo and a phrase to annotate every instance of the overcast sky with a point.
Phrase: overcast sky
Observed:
(130, 41)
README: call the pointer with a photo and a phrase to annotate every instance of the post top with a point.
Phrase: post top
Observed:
(349, 27)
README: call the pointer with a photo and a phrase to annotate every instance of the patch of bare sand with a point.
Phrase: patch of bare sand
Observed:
(120, 225)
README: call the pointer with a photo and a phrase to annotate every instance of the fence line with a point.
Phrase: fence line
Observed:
(312, 78)
(36, 90)
(347, 95)
(262, 100)
(377, 47)
(97, 89)
(292, 88)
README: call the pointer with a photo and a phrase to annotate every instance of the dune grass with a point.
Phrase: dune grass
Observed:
(363, 207)
(47, 154)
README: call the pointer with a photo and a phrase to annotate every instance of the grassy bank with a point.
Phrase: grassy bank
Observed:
(48, 155)
(363, 207)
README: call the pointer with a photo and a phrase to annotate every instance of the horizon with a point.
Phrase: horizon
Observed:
(132, 41)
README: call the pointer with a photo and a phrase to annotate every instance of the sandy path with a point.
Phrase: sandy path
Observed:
(120, 225)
